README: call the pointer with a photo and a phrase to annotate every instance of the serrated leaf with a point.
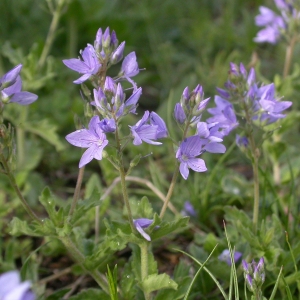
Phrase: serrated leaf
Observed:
(166, 228)
(145, 209)
(93, 185)
(46, 130)
(84, 205)
(157, 282)
(49, 203)
(232, 214)
(90, 294)
(18, 227)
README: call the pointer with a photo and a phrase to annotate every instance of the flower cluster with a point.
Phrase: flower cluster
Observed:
(257, 103)
(254, 274)
(11, 287)
(208, 135)
(276, 26)
(11, 88)
(109, 98)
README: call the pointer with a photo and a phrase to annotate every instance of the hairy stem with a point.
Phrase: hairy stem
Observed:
(77, 191)
(144, 265)
(14, 185)
(79, 258)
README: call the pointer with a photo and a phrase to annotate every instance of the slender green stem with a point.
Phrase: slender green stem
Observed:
(288, 56)
(79, 258)
(286, 70)
(144, 265)
(51, 33)
(254, 160)
(256, 184)
(170, 192)
(14, 185)
(20, 132)
(175, 175)
(77, 191)
(123, 179)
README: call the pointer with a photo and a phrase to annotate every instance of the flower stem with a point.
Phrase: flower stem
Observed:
(144, 265)
(123, 179)
(51, 33)
(77, 191)
(286, 70)
(79, 258)
(256, 187)
(170, 192)
(289, 56)
(14, 185)
(175, 175)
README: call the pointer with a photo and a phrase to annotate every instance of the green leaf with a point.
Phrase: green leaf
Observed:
(112, 283)
(85, 205)
(46, 130)
(58, 295)
(17, 227)
(145, 209)
(90, 294)
(156, 282)
(166, 228)
(49, 203)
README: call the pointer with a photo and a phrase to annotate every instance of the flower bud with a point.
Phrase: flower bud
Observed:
(98, 41)
(179, 113)
(117, 55)
(10, 77)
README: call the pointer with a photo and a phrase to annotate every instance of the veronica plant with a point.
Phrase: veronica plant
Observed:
(281, 25)
(250, 106)
(111, 106)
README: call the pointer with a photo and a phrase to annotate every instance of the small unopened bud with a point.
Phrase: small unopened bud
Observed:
(179, 113)
(117, 55)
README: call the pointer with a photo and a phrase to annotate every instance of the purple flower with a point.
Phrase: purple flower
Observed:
(266, 108)
(93, 138)
(225, 256)
(275, 25)
(108, 125)
(88, 66)
(144, 132)
(188, 209)
(131, 102)
(186, 155)
(129, 69)
(13, 94)
(10, 77)
(162, 130)
(141, 224)
(11, 287)
(210, 137)
(223, 114)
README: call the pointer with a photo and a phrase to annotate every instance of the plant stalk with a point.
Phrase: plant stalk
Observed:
(144, 265)
(77, 191)
(51, 33)
(14, 185)
(123, 179)
(79, 258)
